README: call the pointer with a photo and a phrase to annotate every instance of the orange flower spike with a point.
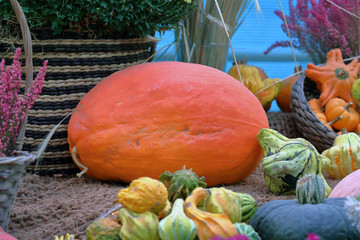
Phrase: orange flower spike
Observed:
(335, 78)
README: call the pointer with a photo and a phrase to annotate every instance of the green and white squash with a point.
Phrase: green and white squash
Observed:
(177, 226)
(287, 160)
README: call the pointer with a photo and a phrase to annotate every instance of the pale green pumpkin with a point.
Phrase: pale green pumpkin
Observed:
(287, 160)
(177, 226)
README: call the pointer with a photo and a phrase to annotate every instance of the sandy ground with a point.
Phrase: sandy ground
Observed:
(47, 206)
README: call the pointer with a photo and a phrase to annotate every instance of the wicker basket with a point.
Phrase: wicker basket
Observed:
(284, 123)
(12, 170)
(310, 126)
(75, 66)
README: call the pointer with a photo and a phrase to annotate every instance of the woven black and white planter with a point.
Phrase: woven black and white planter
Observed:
(75, 66)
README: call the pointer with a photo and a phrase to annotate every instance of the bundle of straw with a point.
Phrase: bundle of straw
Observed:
(203, 38)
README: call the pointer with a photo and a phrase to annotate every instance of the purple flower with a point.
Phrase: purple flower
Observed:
(316, 27)
(14, 108)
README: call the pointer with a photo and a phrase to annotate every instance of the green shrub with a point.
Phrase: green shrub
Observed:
(127, 18)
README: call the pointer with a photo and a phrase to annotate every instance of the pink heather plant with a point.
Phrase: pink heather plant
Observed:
(317, 26)
(312, 236)
(13, 109)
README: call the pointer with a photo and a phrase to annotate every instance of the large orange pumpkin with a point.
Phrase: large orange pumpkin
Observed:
(161, 116)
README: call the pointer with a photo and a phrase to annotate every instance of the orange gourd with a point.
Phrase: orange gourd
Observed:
(335, 78)
(159, 116)
(338, 107)
(283, 98)
(209, 225)
(315, 106)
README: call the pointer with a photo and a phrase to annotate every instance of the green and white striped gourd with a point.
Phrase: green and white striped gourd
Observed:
(177, 226)
(248, 207)
(239, 207)
(222, 200)
(310, 189)
(246, 229)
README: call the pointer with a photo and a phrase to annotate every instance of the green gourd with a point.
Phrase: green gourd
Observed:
(239, 207)
(181, 183)
(106, 228)
(287, 160)
(248, 207)
(208, 224)
(344, 155)
(310, 189)
(247, 230)
(311, 212)
(222, 200)
(138, 226)
(355, 92)
(177, 226)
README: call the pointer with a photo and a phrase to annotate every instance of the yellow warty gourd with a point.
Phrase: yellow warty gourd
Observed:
(144, 194)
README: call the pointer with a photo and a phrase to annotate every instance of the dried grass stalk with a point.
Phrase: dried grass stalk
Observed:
(204, 34)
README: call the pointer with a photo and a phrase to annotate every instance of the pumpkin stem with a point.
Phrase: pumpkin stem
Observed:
(341, 74)
(343, 131)
(334, 120)
(347, 107)
(310, 190)
(74, 154)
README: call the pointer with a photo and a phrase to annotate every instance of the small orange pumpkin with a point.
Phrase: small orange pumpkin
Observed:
(283, 98)
(315, 106)
(338, 107)
(335, 78)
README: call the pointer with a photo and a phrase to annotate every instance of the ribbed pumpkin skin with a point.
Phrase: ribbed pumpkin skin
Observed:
(290, 220)
(160, 116)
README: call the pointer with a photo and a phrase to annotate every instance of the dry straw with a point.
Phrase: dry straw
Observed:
(205, 36)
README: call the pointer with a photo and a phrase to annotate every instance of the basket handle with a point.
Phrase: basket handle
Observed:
(28, 62)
